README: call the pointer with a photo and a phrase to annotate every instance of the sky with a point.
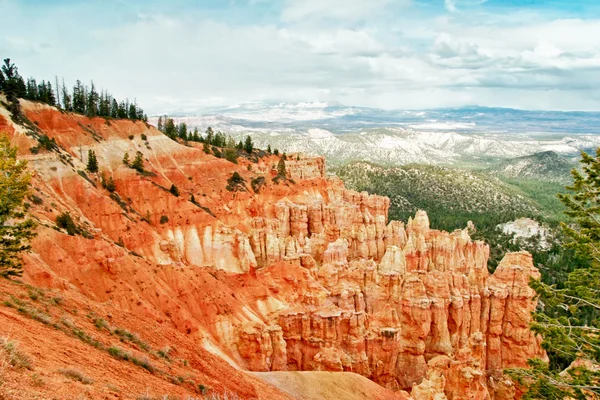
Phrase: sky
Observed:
(190, 55)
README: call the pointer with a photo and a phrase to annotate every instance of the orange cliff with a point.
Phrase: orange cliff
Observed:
(300, 275)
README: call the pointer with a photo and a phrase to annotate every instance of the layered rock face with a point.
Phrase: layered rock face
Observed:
(405, 305)
(293, 275)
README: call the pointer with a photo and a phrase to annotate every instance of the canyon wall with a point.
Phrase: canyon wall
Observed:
(294, 274)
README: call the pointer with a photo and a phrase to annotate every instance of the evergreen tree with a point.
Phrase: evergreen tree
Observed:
(108, 183)
(276, 152)
(193, 199)
(240, 145)
(281, 168)
(79, 98)
(209, 135)
(122, 110)
(50, 99)
(15, 230)
(269, 149)
(32, 89)
(92, 102)
(66, 98)
(206, 148)
(114, 109)
(104, 105)
(159, 125)
(196, 136)
(92, 163)
(174, 190)
(12, 88)
(182, 131)
(170, 129)
(248, 145)
(126, 159)
(570, 319)
(132, 114)
(138, 162)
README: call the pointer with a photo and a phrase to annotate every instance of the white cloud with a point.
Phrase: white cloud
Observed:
(355, 52)
(301, 10)
(450, 5)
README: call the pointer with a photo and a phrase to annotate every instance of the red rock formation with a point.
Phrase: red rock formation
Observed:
(302, 275)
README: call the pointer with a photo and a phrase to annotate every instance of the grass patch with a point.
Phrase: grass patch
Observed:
(76, 376)
(10, 353)
(130, 337)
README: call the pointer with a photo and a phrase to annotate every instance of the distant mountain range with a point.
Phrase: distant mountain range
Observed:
(455, 136)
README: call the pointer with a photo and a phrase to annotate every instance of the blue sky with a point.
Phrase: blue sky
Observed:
(187, 55)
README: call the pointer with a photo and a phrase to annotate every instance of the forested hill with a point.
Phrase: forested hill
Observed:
(451, 196)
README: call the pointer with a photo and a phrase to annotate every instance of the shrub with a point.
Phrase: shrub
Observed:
(257, 183)
(144, 137)
(231, 155)
(36, 200)
(108, 183)
(164, 219)
(174, 190)
(138, 162)
(236, 183)
(64, 221)
(131, 137)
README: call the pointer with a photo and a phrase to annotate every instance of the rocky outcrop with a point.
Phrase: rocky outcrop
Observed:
(299, 275)
(426, 313)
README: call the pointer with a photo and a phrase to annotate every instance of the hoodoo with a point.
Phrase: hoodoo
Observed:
(293, 274)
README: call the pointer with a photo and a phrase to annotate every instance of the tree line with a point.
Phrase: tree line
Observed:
(210, 138)
(82, 99)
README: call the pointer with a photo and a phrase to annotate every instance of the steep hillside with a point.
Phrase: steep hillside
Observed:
(451, 196)
(190, 269)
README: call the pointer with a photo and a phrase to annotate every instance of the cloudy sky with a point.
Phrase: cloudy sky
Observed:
(192, 54)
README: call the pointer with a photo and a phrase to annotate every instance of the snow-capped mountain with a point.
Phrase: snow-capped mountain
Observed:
(443, 136)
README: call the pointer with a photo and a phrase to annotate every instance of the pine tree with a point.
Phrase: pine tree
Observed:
(196, 136)
(114, 109)
(570, 320)
(159, 125)
(92, 102)
(15, 229)
(132, 114)
(269, 149)
(248, 145)
(79, 98)
(206, 148)
(12, 88)
(182, 131)
(209, 135)
(50, 99)
(174, 190)
(92, 163)
(126, 159)
(66, 98)
(170, 129)
(138, 162)
(32, 90)
(281, 168)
